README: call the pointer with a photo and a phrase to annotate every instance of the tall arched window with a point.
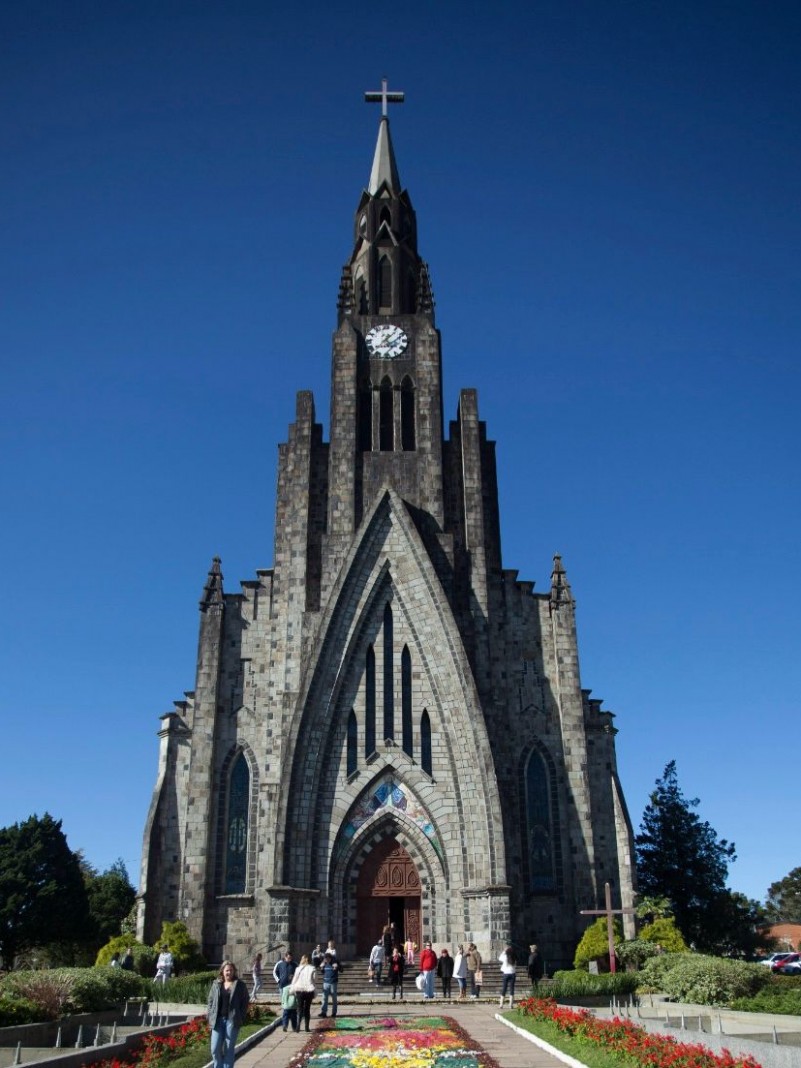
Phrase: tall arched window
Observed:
(539, 839)
(389, 689)
(237, 843)
(386, 436)
(406, 700)
(366, 416)
(425, 743)
(352, 742)
(369, 704)
(407, 415)
(384, 284)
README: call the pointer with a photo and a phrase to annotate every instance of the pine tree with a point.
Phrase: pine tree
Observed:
(681, 857)
(783, 904)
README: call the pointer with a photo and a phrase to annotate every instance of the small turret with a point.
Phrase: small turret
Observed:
(561, 593)
(213, 590)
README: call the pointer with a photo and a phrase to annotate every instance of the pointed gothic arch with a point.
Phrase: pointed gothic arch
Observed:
(407, 740)
(384, 283)
(540, 823)
(369, 702)
(236, 821)
(425, 743)
(352, 742)
(389, 673)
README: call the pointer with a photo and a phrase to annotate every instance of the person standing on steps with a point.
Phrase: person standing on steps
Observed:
(460, 972)
(395, 967)
(428, 966)
(302, 987)
(377, 961)
(256, 973)
(474, 970)
(508, 962)
(535, 967)
(226, 1010)
(445, 971)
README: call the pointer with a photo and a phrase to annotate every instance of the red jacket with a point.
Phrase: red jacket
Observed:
(428, 961)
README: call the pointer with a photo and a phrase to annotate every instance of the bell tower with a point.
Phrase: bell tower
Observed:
(386, 396)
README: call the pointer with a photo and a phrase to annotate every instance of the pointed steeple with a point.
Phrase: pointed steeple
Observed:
(385, 169)
(560, 588)
(213, 590)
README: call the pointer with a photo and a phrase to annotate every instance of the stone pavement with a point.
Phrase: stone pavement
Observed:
(509, 1048)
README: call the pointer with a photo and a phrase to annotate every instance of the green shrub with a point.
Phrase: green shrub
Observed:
(14, 1010)
(594, 944)
(781, 994)
(635, 952)
(702, 980)
(185, 990)
(185, 950)
(578, 983)
(49, 991)
(664, 932)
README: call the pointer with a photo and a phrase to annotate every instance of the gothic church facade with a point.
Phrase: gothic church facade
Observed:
(386, 724)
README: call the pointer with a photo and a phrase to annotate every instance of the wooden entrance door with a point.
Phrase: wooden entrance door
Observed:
(388, 891)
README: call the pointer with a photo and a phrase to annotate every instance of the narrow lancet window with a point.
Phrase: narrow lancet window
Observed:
(425, 743)
(538, 826)
(366, 417)
(406, 701)
(352, 742)
(407, 415)
(386, 428)
(389, 690)
(369, 704)
(384, 284)
(237, 843)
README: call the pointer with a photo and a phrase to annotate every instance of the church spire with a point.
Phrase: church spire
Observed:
(213, 590)
(385, 169)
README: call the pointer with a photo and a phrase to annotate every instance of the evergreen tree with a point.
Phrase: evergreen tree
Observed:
(111, 898)
(783, 904)
(681, 858)
(42, 892)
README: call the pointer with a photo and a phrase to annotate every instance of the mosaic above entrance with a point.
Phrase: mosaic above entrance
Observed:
(388, 794)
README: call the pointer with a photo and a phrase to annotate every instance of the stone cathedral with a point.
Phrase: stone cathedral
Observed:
(387, 724)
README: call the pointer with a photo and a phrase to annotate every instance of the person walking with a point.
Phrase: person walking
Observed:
(474, 972)
(255, 970)
(445, 971)
(508, 962)
(535, 967)
(226, 1009)
(302, 987)
(428, 966)
(396, 967)
(330, 980)
(289, 1009)
(377, 961)
(460, 972)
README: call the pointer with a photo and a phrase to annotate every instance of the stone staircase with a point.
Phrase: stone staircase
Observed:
(354, 984)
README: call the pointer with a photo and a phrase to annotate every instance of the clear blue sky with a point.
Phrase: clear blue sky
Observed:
(608, 197)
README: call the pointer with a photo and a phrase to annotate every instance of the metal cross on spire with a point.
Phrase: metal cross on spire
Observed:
(609, 912)
(383, 97)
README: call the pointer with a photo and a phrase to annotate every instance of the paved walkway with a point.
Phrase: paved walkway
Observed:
(509, 1048)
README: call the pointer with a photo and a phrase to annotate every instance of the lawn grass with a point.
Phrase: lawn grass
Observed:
(591, 1055)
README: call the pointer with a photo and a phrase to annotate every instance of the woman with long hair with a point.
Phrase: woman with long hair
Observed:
(303, 988)
(227, 1008)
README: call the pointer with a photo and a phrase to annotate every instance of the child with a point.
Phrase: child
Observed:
(289, 1006)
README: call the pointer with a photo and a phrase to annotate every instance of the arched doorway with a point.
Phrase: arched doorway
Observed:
(388, 891)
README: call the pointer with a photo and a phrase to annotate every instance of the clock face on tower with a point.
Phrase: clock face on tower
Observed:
(386, 341)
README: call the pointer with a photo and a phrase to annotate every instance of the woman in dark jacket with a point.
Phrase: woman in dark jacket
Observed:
(226, 1010)
(445, 972)
(395, 972)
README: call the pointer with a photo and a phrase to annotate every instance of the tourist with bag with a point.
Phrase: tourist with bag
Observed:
(289, 1009)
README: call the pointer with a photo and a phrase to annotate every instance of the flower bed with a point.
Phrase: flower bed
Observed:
(157, 1051)
(419, 1042)
(632, 1043)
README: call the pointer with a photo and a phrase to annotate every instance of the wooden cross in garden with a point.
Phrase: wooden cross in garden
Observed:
(610, 913)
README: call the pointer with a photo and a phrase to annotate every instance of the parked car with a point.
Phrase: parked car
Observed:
(775, 958)
(789, 960)
(793, 968)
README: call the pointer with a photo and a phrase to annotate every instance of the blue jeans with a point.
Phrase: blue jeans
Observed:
(223, 1043)
(508, 984)
(329, 989)
(428, 989)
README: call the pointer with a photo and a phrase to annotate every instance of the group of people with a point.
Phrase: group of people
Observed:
(228, 998)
